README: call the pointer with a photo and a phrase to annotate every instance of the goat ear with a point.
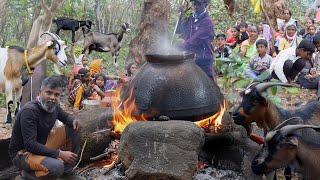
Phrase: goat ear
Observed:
(293, 141)
(49, 43)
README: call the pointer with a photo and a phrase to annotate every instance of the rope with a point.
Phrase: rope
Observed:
(26, 61)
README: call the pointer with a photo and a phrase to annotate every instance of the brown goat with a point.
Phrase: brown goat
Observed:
(285, 148)
(106, 42)
(256, 108)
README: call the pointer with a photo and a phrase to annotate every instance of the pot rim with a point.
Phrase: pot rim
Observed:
(169, 58)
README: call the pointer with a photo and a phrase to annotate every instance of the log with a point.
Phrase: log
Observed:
(93, 122)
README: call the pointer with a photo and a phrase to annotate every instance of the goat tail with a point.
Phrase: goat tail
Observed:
(54, 20)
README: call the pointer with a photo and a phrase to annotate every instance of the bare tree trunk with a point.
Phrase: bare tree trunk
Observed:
(98, 14)
(40, 25)
(3, 18)
(154, 22)
(273, 9)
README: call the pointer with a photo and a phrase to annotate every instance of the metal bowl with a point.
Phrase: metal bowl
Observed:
(91, 104)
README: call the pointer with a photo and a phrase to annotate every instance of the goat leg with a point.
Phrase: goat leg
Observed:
(73, 34)
(57, 31)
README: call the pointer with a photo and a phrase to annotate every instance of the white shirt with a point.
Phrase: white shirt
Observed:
(278, 62)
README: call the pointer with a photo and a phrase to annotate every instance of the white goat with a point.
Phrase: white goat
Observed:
(17, 64)
(106, 42)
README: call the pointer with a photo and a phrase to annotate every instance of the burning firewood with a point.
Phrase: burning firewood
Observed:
(113, 147)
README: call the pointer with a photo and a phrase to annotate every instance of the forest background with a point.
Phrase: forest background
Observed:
(17, 16)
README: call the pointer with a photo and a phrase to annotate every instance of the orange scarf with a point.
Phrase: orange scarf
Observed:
(95, 66)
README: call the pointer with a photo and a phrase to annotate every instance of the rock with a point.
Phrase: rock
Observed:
(161, 150)
(236, 156)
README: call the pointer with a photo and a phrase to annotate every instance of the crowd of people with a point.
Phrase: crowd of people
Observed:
(88, 81)
(293, 58)
(286, 53)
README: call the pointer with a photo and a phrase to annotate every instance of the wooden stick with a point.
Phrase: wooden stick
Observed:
(102, 155)
(84, 145)
(85, 168)
(111, 167)
(175, 28)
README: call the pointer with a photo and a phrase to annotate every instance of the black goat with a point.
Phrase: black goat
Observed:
(71, 24)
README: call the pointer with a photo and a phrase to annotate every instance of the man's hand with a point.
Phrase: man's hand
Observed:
(76, 125)
(68, 156)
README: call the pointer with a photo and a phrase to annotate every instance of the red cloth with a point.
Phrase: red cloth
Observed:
(231, 40)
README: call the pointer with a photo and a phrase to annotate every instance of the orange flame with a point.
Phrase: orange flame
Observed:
(122, 112)
(214, 120)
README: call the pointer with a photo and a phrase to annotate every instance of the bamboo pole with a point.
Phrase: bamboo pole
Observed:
(175, 28)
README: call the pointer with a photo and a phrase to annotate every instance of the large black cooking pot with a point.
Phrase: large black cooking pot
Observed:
(174, 86)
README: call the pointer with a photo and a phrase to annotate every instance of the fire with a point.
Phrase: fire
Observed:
(214, 120)
(122, 112)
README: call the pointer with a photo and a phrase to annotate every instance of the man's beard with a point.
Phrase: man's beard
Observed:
(48, 106)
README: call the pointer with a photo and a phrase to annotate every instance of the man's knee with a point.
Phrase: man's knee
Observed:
(54, 166)
(299, 64)
(288, 64)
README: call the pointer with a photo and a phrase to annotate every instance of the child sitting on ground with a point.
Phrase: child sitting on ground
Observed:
(79, 89)
(221, 50)
(244, 35)
(259, 63)
(97, 87)
(310, 35)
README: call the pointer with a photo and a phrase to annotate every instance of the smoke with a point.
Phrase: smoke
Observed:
(163, 46)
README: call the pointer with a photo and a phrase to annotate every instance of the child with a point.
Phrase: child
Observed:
(243, 32)
(310, 35)
(259, 63)
(79, 90)
(97, 87)
(85, 61)
(221, 50)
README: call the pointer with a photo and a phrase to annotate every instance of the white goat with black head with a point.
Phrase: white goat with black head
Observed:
(17, 64)
(296, 146)
(100, 42)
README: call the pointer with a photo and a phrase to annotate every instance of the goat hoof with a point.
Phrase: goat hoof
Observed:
(116, 64)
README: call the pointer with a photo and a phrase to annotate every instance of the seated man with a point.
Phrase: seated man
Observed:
(35, 146)
(289, 62)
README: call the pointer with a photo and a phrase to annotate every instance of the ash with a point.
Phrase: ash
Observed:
(207, 173)
(210, 173)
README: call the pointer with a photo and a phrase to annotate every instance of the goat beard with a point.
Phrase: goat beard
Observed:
(48, 106)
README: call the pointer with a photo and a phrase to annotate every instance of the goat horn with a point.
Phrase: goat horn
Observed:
(290, 128)
(264, 86)
(290, 121)
(54, 36)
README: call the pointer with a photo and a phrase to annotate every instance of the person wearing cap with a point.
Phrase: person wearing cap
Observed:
(198, 33)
